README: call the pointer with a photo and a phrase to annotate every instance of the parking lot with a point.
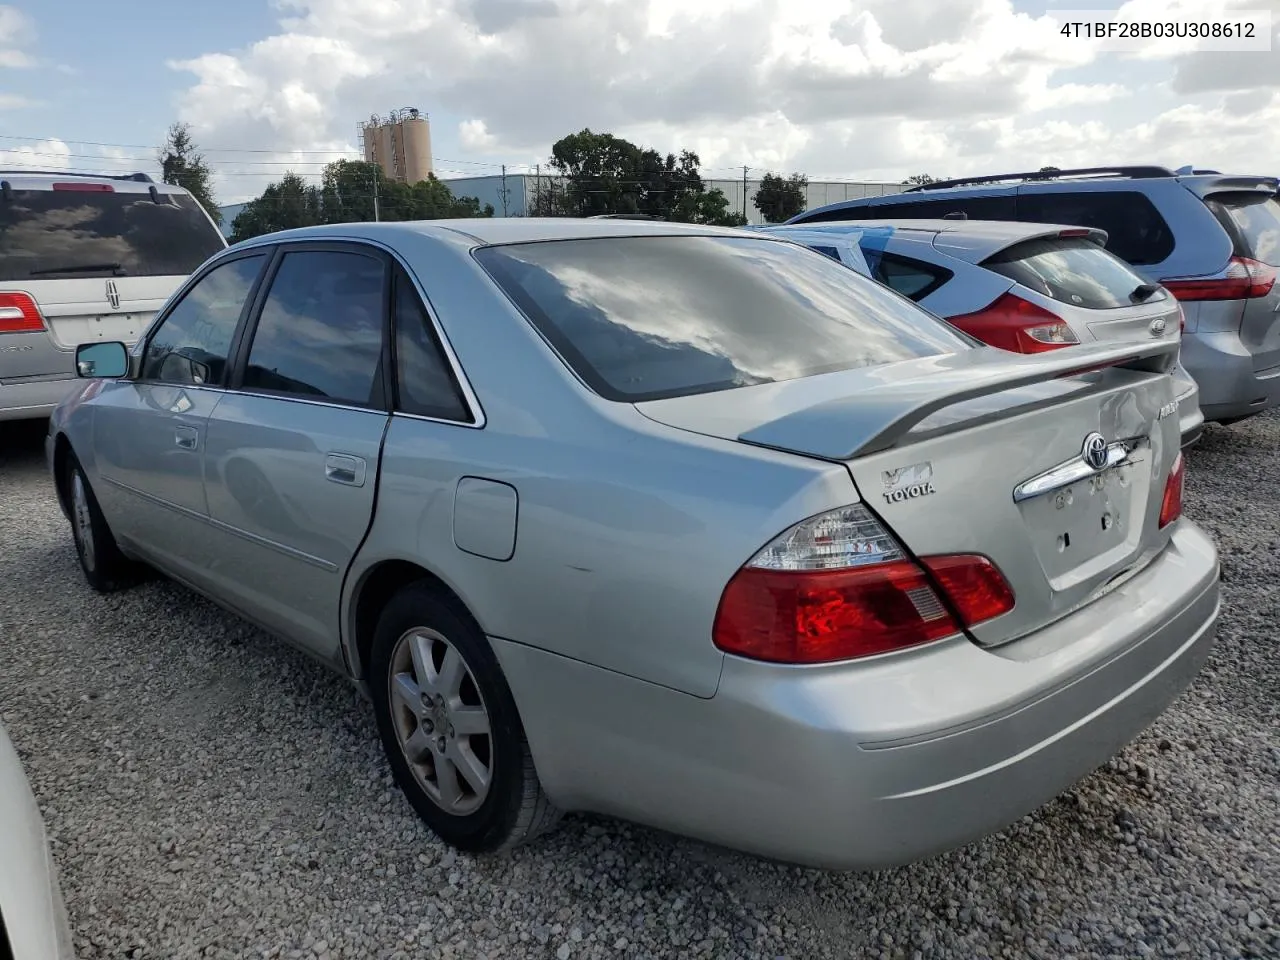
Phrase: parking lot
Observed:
(210, 792)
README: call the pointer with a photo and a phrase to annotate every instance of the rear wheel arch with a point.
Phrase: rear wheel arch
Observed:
(374, 591)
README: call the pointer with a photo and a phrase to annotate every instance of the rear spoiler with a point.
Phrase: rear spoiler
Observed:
(1206, 187)
(879, 415)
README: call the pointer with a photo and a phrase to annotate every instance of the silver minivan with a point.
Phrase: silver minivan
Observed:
(85, 258)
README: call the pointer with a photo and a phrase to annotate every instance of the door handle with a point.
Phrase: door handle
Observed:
(186, 438)
(346, 469)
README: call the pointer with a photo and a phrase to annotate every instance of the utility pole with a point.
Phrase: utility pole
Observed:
(376, 215)
(503, 192)
(745, 168)
(537, 192)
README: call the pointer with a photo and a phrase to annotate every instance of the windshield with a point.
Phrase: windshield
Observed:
(55, 234)
(1257, 217)
(1073, 270)
(644, 318)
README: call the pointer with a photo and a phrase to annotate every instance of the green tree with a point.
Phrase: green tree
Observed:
(780, 198)
(347, 194)
(182, 165)
(602, 173)
(710, 207)
(920, 179)
(284, 205)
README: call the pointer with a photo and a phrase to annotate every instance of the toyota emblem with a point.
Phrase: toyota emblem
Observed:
(1094, 451)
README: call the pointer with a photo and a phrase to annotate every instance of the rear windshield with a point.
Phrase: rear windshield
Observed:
(1257, 218)
(57, 234)
(643, 318)
(1071, 270)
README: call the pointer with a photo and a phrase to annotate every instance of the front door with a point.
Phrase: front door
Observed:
(291, 462)
(149, 433)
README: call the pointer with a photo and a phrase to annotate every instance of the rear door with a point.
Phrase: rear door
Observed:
(291, 462)
(1253, 221)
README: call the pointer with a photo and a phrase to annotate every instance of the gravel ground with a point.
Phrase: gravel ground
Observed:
(209, 792)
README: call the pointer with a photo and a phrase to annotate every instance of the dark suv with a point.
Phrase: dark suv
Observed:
(1212, 240)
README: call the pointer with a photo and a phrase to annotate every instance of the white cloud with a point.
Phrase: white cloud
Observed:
(17, 32)
(851, 88)
(475, 135)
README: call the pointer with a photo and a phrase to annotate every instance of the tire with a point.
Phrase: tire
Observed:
(104, 566)
(478, 791)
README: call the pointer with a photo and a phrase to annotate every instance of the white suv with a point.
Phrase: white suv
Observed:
(85, 258)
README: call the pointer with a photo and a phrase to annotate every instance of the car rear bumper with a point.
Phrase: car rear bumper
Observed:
(884, 761)
(33, 399)
(1230, 385)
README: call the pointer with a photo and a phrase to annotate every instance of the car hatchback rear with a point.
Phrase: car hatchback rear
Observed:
(82, 259)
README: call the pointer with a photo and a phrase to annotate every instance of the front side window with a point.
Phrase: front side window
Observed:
(321, 329)
(1071, 270)
(191, 344)
(643, 318)
(68, 234)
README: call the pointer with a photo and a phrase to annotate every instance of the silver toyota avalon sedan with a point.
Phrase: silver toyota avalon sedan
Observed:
(684, 525)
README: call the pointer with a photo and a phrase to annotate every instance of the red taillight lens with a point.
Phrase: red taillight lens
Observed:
(1244, 279)
(1012, 323)
(837, 587)
(1171, 505)
(19, 314)
(976, 588)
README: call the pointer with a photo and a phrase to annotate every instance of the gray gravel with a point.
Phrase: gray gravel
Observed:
(211, 793)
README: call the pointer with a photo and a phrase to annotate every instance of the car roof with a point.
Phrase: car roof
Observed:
(969, 240)
(21, 179)
(1199, 182)
(484, 231)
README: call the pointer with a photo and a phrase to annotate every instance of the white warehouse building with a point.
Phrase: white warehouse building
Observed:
(512, 195)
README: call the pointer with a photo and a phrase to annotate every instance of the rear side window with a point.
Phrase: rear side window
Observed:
(1136, 233)
(57, 234)
(320, 333)
(912, 278)
(643, 318)
(1255, 219)
(425, 384)
(190, 346)
(1071, 270)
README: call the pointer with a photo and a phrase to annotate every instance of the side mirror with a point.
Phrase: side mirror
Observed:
(102, 360)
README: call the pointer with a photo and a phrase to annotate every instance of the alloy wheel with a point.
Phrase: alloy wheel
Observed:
(83, 520)
(441, 722)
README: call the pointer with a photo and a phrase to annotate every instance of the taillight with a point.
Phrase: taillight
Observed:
(1012, 323)
(838, 587)
(1171, 504)
(84, 187)
(19, 314)
(1244, 279)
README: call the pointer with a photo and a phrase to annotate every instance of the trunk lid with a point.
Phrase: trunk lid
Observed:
(983, 452)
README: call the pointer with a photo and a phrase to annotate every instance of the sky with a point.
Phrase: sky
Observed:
(836, 89)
